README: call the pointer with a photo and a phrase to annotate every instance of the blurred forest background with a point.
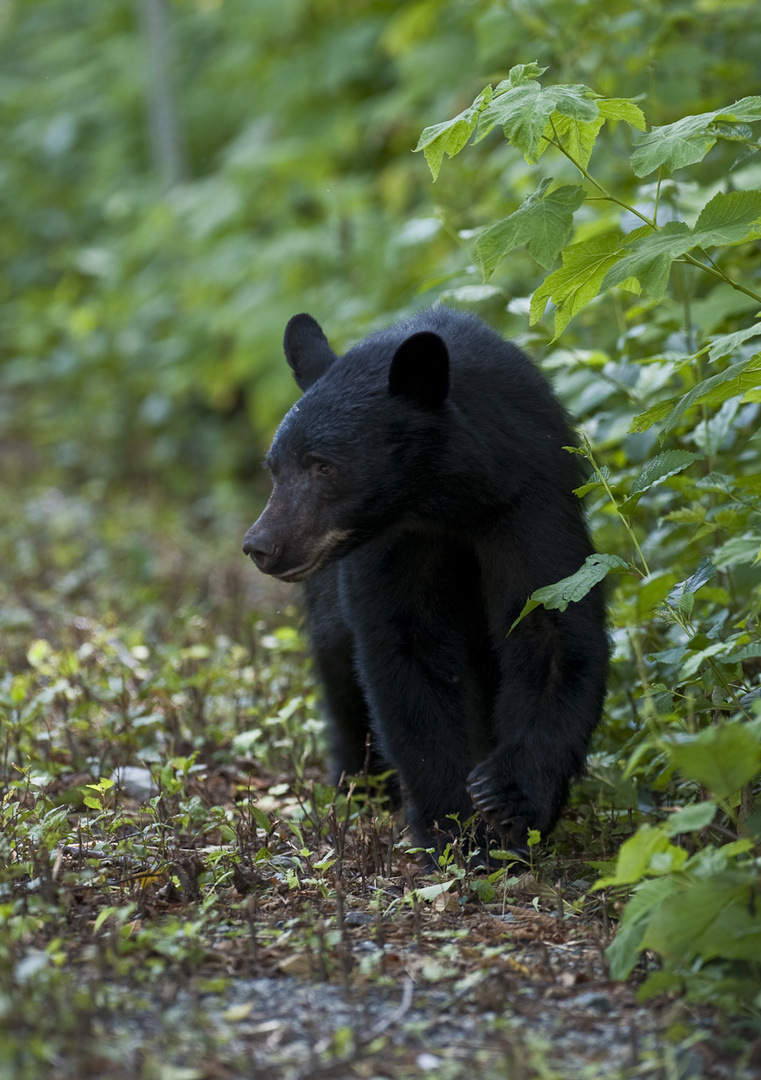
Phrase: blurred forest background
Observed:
(178, 179)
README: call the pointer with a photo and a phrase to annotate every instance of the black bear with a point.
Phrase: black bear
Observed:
(422, 491)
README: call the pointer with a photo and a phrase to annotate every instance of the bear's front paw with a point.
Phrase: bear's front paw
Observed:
(501, 804)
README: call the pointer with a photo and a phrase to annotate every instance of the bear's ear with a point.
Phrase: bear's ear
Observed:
(420, 370)
(307, 350)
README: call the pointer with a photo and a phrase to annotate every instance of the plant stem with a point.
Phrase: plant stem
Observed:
(714, 270)
(587, 449)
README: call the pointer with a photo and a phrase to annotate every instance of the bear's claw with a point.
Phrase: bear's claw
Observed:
(503, 806)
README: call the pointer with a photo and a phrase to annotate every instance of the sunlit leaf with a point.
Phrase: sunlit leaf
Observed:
(451, 136)
(729, 218)
(649, 258)
(523, 113)
(578, 280)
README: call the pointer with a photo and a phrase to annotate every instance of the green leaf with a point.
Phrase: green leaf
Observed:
(622, 109)
(450, 137)
(578, 280)
(738, 549)
(624, 950)
(431, 892)
(521, 73)
(691, 818)
(652, 415)
(722, 758)
(649, 258)
(727, 343)
(572, 588)
(737, 379)
(735, 933)
(688, 140)
(686, 603)
(705, 571)
(705, 919)
(657, 470)
(729, 218)
(543, 223)
(578, 137)
(636, 856)
(261, 819)
(523, 113)
(661, 467)
(103, 914)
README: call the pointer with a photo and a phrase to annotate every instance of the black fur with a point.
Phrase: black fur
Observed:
(423, 493)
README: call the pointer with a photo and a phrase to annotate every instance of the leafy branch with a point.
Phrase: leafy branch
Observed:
(570, 118)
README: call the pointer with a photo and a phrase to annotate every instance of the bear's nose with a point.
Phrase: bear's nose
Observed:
(263, 551)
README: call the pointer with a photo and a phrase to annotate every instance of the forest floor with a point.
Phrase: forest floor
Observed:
(182, 898)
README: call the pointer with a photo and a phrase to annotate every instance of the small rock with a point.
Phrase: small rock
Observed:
(358, 918)
(593, 999)
(135, 781)
(428, 1062)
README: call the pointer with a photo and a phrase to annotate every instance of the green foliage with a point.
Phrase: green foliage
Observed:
(697, 912)
(569, 119)
(297, 191)
(687, 515)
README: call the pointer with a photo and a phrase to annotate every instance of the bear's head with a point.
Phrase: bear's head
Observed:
(355, 455)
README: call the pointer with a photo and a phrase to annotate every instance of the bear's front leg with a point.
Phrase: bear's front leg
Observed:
(418, 701)
(552, 684)
(415, 646)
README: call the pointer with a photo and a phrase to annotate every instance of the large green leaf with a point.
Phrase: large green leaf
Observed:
(622, 109)
(737, 379)
(729, 218)
(624, 950)
(543, 223)
(578, 137)
(450, 137)
(523, 113)
(688, 140)
(649, 258)
(578, 280)
(722, 758)
(706, 919)
(651, 416)
(573, 588)
(635, 858)
(691, 818)
(726, 344)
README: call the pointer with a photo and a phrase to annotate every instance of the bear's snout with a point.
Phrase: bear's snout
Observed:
(262, 549)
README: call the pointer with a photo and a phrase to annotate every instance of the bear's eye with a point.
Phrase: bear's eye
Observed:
(324, 468)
